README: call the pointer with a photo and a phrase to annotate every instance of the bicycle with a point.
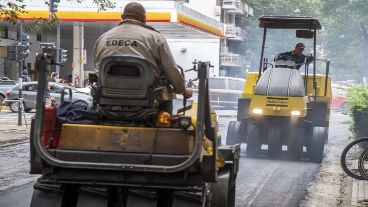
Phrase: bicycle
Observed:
(362, 166)
(351, 155)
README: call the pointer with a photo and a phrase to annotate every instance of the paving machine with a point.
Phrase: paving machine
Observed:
(157, 159)
(282, 105)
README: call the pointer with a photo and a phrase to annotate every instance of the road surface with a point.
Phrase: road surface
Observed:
(261, 182)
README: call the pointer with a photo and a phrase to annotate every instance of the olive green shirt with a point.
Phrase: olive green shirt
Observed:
(135, 38)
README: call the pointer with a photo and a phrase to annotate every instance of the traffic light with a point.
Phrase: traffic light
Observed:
(12, 52)
(53, 5)
(24, 45)
(24, 37)
(63, 55)
(18, 51)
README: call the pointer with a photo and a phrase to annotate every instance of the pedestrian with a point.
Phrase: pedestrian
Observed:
(25, 76)
(77, 81)
(54, 77)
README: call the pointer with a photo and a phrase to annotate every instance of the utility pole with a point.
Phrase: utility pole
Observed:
(58, 48)
(53, 7)
(18, 52)
(20, 64)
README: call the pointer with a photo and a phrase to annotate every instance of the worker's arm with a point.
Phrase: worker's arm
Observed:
(283, 56)
(168, 65)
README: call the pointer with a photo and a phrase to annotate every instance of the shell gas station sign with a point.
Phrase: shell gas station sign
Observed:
(169, 12)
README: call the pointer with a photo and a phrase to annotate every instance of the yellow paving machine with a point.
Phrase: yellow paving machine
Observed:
(140, 156)
(284, 106)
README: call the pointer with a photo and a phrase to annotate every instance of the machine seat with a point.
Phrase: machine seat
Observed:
(126, 88)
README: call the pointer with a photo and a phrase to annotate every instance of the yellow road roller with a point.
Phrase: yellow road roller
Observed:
(282, 105)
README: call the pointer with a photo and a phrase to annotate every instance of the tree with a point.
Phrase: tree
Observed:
(343, 39)
(10, 11)
(277, 40)
(347, 39)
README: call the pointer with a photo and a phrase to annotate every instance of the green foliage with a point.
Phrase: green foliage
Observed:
(39, 23)
(358, 110)
(357, 99)
(342, 40)
(11, 9)
(277, 41)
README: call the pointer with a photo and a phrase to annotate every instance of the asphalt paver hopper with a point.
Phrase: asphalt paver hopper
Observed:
(165, 161)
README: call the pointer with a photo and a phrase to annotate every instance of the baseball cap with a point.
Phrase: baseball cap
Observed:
(300, 45)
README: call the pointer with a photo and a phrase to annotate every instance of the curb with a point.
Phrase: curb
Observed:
(359, 193)
(9, 142)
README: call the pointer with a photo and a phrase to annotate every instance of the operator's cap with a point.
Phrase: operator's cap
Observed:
(300, 45)
(134, 11)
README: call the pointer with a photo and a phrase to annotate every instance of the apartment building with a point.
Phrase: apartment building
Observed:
(233, 45)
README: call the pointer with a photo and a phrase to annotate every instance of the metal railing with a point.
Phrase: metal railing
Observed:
(235, 33)
(236, 6)
(19, 103)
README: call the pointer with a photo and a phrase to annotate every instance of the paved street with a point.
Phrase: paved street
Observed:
(279, 65)
(9, 129)
(261, 182)
(265, 182)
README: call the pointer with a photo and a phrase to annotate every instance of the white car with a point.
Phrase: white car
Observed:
(29, 94)
(225, 92)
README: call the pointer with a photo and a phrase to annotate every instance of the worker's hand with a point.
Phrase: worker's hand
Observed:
(309, 58)
(188, 93)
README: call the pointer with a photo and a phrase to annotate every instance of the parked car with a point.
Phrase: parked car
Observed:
(84, 90)
(339, 98)
(5, 84)
(225, 92)
(4, 79)
(29, 94)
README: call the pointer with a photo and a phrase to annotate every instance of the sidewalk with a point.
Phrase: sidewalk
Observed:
(10, 132)
(359, 195)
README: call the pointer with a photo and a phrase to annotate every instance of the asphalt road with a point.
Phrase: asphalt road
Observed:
(15, 180)
(261, 182)
(266, 182)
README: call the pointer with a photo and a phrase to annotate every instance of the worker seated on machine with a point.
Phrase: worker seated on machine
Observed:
(296, 56)
(131, 59)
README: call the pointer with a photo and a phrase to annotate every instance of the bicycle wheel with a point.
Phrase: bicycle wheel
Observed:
(350, 157)
(363, 164)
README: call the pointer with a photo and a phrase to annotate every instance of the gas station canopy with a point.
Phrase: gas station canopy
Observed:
(165, 14)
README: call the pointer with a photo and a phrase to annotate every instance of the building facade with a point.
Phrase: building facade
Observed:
(192, 33)
(233, 46)
(207, 30)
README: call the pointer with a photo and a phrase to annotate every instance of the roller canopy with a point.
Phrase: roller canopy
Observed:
(289, 22)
